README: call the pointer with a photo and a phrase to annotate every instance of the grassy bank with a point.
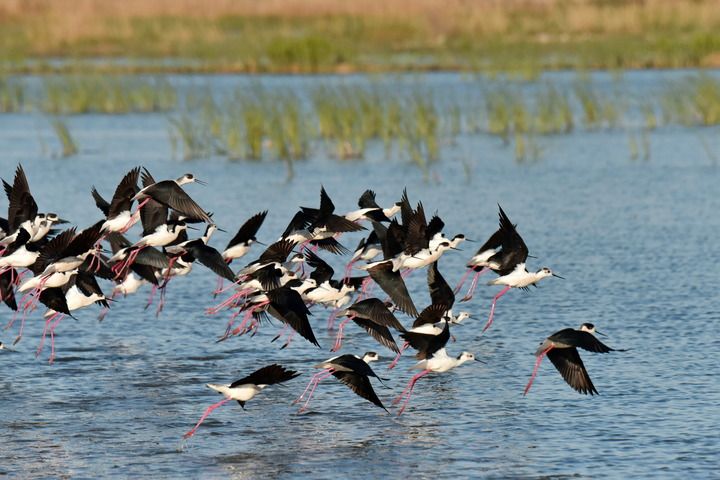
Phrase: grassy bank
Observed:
(372, 35)
(406, 118)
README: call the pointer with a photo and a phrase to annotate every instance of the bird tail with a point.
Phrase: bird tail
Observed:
(218, 388)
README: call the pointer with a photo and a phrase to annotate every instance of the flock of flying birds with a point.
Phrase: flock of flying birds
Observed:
(60, 269)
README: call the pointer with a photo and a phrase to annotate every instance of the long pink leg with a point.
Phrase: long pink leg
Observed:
(282, 332)
(339, 337)
(462, 280)
(132, 215)
(218, 287)
(410, 388)
(208, 411)
(151, 298)
(44, 334)
(22, 327)
(228, 301)
(406, 273)
(397, 357)
(537, 365)
(348, 268)
(105, 310)
(492, 308)
(241, 328)
(332, 318)
(52, 338)
(12, 321)
(312, 380)
(287, 342)
(473, 285)
(317, 381)
(367, 286)
(161, 303)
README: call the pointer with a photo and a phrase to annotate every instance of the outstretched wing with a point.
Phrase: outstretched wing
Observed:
(359, 384)
(248, 230)
(269, 375)
(571, 367)
(426, 344)
(440, 291)
(393, 284)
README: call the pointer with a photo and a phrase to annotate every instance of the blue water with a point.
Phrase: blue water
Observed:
(636, 241)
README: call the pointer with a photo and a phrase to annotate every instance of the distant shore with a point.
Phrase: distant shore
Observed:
(373, 36)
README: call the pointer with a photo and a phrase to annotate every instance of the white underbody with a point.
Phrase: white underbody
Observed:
(242, 393)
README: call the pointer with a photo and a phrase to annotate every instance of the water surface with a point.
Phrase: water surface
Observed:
(635, 240)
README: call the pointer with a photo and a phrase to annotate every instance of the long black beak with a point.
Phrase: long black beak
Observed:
(260, 243)
(200, 182)
(221, 230)
(470, 240)
(453, 248)
(558, 276)
(478, 360)
(600, 333)
(61, 220)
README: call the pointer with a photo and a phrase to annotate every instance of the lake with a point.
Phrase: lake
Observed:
(635, 240)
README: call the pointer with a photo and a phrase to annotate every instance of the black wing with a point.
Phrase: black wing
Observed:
(277, 252)
(416, 239)
(152, 257)
(432, 314)
(440, 291)
(393, 284)
(268, 276)
(22, 204)
(145, 272)
(54, 299)
(375, 310)
(578, 338)
(287, 306)
(434, 226)
(568, 363)
(248, 230)
(87, 284)
(83, 241)
(53, 250)
(406, 210)
(336, 223)
(514, 251)
(125, 191)
(98, 266)
(269, 375)
(100, 202)
(6, 288)
(170, 194)
(367, 200)
(359, 384)
(380, 333)
(395, 240)
(494, 242)
(331, 245)
(211, 258)
(300, 221)
(426, 344)
(323, 272)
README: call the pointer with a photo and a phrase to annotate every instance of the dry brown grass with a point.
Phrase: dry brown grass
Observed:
(194, 28)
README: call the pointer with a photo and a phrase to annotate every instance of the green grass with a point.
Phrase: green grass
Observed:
(407, 119)
(415, 122)
(67, 142)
